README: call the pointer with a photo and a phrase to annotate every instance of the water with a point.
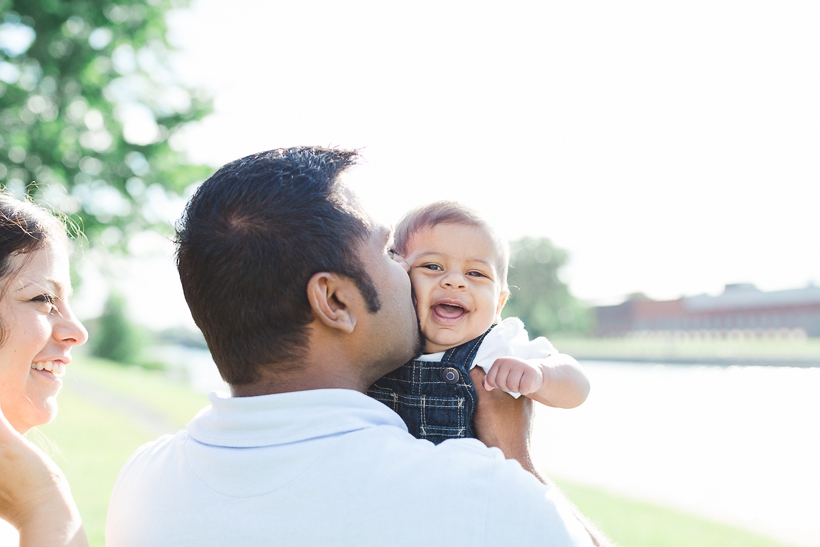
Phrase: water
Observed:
(193, 365)
(736, 444)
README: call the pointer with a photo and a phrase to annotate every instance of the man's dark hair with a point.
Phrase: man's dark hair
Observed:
(249, 241)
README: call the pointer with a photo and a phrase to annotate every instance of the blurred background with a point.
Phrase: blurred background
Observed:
(655, 167)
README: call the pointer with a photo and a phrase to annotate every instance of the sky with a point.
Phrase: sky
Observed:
(670, 147)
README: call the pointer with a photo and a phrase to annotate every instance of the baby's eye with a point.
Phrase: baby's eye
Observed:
(434, 267)
(476, 274)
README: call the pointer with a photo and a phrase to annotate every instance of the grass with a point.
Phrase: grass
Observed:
(150, 387)
(632, 523)
(91, 443)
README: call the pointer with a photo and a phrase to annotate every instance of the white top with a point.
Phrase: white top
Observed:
(326, 467)
(508, 339)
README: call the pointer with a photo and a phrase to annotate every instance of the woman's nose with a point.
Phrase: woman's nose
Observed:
(69, 329)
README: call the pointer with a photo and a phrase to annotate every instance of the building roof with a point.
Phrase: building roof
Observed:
(746, 296)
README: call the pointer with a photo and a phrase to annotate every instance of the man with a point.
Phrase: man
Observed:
(303, 306)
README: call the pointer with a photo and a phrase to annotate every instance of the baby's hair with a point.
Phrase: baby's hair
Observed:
(451, 212)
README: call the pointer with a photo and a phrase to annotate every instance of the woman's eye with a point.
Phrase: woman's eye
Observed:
(48, 299)
(392, 253)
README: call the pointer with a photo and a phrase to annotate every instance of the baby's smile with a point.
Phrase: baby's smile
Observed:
(454, 276)
(448, 312)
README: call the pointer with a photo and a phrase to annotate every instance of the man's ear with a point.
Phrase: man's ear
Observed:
(330, 297)
(502, 299)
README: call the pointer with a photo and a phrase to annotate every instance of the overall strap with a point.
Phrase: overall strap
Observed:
(464, 355)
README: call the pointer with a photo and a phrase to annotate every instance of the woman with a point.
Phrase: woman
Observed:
(37, 332)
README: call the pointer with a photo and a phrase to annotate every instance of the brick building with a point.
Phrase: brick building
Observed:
(742, 307)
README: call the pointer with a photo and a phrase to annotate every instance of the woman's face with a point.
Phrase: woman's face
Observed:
(40, 330)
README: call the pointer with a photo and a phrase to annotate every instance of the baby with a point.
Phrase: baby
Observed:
(458, 269)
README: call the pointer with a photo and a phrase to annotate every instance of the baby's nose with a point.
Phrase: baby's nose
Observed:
(455, 280)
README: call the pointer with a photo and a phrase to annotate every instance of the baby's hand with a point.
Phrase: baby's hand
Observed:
(514, 376)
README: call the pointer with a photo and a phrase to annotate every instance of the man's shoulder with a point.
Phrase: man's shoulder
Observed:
(395, 477)
(455, 461)
(145, 457)
(466, 475)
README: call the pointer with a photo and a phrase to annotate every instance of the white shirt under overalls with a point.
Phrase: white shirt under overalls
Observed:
(507, 339)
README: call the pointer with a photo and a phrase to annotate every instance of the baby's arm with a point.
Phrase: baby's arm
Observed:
(556, 380)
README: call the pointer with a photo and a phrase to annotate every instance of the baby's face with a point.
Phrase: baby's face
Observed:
(455, 279)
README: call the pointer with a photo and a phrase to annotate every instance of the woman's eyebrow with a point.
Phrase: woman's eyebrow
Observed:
(46, 283)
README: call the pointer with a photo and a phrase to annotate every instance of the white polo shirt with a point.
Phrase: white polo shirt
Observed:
(326, 467)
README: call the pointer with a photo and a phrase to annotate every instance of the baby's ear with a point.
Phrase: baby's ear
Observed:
(502, 299)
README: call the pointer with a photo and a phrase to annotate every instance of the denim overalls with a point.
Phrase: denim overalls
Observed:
(436, 399)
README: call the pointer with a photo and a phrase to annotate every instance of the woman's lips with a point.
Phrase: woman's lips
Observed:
(55, 369)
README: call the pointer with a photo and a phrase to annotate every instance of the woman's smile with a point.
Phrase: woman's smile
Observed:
(39, 330)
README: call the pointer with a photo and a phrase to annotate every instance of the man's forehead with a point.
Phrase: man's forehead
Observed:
(346, 198)
(353, 182)
(346, 182)
(381, 231)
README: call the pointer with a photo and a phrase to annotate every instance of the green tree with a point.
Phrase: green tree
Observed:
(89, 108)
(115, 336)
(538, 296)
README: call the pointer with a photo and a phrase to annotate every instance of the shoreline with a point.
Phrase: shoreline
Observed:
(697, 361)
(802, 353)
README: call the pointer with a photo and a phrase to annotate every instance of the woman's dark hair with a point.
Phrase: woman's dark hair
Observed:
(24, 228)
(248, 242)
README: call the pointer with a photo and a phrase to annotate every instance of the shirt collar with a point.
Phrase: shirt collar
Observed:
(268, 420)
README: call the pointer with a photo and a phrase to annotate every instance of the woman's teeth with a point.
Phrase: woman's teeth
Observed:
(54, 367)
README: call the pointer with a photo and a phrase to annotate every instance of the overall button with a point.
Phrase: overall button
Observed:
(450, 375)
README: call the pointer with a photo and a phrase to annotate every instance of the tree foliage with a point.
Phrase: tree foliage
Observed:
(89, 108)
(117, 338)
(538, 296)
